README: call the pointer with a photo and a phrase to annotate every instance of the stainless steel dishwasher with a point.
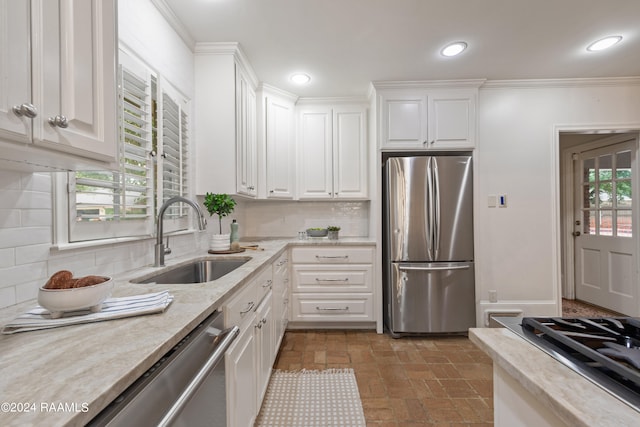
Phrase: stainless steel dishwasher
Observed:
(186, 387)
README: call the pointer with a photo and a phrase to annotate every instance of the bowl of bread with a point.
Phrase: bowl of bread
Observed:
(63, 293)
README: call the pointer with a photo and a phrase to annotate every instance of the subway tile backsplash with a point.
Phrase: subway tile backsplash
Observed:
(26, 229)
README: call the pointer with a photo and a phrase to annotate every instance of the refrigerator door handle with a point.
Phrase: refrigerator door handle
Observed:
(429, 218)
(412, 267)
(435, 224)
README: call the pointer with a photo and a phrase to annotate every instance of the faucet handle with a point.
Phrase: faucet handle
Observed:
(167, 249)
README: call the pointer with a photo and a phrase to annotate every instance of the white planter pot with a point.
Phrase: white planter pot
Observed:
(220, 242)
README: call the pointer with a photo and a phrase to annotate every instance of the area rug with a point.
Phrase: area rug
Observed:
(312, 398)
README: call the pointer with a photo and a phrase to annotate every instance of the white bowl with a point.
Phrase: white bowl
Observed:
(58, 301)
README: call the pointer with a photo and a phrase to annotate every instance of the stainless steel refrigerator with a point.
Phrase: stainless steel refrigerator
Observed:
(428, 269)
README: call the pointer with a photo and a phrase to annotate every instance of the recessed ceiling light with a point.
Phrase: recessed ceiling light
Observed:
(604, 43)
(454, 49)
(300, 78)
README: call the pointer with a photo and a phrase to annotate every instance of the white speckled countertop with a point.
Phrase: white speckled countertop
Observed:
(574, 399)
(65, 376)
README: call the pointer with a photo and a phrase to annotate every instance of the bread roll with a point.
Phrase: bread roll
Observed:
(62, 279)
(88, 281)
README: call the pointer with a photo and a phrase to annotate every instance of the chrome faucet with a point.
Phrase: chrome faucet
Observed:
(160, 248)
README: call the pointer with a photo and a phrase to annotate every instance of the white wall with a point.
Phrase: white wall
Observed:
(517, 155)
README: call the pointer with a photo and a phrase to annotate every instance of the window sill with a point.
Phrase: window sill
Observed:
(113, 241)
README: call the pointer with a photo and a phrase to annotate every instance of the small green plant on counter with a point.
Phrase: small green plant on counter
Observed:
(219, 204)
(333, 228)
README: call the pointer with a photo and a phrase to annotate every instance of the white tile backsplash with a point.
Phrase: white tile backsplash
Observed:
(27, 258)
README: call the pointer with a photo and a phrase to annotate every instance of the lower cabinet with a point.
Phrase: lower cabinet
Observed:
(332, 284)
(264, 331)
(249, 361)
(241, 380)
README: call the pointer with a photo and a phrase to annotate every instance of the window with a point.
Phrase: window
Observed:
(607, 192)
(153, 163)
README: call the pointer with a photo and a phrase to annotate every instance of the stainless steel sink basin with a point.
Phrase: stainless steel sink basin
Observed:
(196, 272)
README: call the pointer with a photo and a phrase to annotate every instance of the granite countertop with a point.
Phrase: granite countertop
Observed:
(67, 375)
(574, 399)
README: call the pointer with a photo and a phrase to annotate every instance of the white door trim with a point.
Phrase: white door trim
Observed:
(563, 210)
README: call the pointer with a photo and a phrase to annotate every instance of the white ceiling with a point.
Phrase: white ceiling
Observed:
(345, 44)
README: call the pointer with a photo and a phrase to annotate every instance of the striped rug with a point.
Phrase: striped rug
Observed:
(312, 398)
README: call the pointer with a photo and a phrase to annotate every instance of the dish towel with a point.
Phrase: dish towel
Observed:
(112, 308)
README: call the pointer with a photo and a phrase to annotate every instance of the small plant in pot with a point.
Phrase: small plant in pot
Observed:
(221, 205)
(333, 232)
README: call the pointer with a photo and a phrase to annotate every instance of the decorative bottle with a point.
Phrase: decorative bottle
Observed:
(234, 231)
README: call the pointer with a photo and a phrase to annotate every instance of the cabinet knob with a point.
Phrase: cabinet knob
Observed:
(59, 121)
(26, 109)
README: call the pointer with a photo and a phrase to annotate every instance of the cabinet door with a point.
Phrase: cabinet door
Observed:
(280, 132)
(265, 343)
(15, 69)
(404, 121)
(241, 380)
(349, 152)
(246, 141)
(74, 69)
(452, 119)
(315, 164)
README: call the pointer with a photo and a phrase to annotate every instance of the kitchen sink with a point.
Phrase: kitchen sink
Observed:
(196, 272)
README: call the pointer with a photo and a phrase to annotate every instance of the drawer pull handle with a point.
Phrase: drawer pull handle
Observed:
(346, 279)
(267, 283)
(332, 256)
(249, 308)
(332, 308)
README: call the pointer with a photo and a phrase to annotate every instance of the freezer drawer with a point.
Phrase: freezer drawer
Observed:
(430, 298)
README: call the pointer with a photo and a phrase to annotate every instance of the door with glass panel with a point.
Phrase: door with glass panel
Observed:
(605, 247)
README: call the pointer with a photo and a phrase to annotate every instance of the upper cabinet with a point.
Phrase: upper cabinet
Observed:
(276, 146)
(225, 116)
(424, 117)
(246, 143)
(332, 152)
(58, 96)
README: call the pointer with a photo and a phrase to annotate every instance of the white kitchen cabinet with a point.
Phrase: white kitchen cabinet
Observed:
(58, 100)
(265, 342)
(428, 119)
(250, 359)
(246, 143)
(332, 284)
(277, 143)
(280, 298)
(225, 117)
(332, 152)
(241, 381)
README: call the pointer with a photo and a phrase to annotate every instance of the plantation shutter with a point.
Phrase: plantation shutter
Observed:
(119, 203)
(174, 173)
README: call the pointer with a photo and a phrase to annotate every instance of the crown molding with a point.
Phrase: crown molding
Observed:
(277, 91)
(228, 48)
(173, 21)
(559, 83)
(428, 84)
(333, 100)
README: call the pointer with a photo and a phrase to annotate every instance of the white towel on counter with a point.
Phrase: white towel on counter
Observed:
(112, 308)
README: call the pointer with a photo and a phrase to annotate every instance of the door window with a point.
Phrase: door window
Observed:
(606, 193)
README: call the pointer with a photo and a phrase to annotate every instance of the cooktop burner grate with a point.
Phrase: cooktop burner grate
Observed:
(604, 350)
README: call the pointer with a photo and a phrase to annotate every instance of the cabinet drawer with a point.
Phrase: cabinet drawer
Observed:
(332, 307)
(264, 282)
(332, 278)
(242, 305)
(332, 255)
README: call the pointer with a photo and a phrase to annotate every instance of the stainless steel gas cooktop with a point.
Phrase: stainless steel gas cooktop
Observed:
(604, 350)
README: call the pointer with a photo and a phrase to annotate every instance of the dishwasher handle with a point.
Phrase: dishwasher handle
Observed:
(228, 335)
(438, 268)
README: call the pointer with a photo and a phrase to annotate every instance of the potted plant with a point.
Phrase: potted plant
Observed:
(221, 205)
(333, 232)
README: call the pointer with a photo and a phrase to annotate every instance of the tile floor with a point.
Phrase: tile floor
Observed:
(435, 381)
(411, 381)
